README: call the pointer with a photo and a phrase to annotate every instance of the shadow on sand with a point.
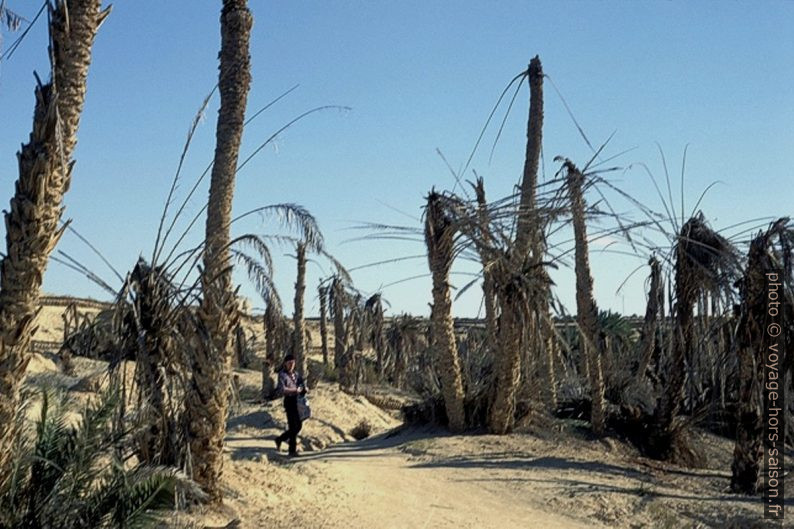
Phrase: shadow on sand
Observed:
(254, 419)
(366, 448)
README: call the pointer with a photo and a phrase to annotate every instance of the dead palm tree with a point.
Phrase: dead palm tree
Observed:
(440, 234)
(374, 309)
(489, 298)
(645, 346)
(704, 262)
(45, 170)
(322, 292)
(402, 340)
(339, 302)
(526, 249)
(207, 400)
(529, 227)
(586, 309)
(753, 343)
(154, 341)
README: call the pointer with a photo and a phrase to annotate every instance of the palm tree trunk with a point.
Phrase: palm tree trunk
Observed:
(752, 344)
(298, 322)
(548, 344)
(586, 309)
(374, 308)
(271, 334)
(527, 233)
(323, 291)
(154, 350)
(528, 224)
(207, 400)
(651, 321)
(378, 340)
(507, 364)
(45, 169)
(686, 287)
(338, 302)
(489, 297)
(440, 239)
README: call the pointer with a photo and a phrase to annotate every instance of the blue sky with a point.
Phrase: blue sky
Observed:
(418, 76)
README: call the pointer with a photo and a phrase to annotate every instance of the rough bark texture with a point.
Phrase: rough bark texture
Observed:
(528, 223)
(208, 395)
(439, 238)
(548, 347)
(752, 343)
(298, 322)
(338, 303)
(507, 364)
(489, 297)
(269, 382)
(154, 354)
(686, 291)
(45, 168)
(271, 334)
(507, 376)
(651, 321)
(323, 292)
(586, 309)
(376, 323)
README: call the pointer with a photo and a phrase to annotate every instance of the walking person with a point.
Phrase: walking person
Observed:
(290, 384)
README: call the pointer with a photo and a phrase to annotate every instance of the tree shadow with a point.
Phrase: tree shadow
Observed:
(521, 460)
(253, 453)
(371, 446)
(254, 419)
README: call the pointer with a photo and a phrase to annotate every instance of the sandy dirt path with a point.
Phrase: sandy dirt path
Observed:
(388, 483)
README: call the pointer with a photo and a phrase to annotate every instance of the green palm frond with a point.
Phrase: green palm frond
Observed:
(258, 246)
(260, 276)
(73, 473)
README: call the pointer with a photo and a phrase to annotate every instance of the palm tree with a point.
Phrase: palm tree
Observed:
(753, 342)
(375, 320)
(338, 301)
(645, 346)
(440, 240)
(528, 231)
(489, 298)
(586, 309)
(704, 262)
(311, 241)
(85, 475)
(207, 400)
(298, 322)
(525, 249)
(322, 292)
(45, 170)
(154, 341)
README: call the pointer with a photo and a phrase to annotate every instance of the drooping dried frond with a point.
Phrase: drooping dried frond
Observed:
(768, 271)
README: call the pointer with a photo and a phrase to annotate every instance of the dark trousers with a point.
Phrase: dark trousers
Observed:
(294, 424)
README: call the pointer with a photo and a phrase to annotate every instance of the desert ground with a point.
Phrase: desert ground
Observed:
(553, 474)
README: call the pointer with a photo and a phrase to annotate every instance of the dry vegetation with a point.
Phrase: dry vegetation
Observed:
(558, 420)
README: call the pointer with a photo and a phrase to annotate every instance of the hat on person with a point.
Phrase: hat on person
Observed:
(289, 357)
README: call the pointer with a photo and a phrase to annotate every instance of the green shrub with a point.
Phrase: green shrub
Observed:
(82, 476)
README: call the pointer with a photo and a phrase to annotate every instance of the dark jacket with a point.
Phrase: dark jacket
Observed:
(289, 382)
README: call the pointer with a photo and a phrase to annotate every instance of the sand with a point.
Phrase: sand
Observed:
(552, 475)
